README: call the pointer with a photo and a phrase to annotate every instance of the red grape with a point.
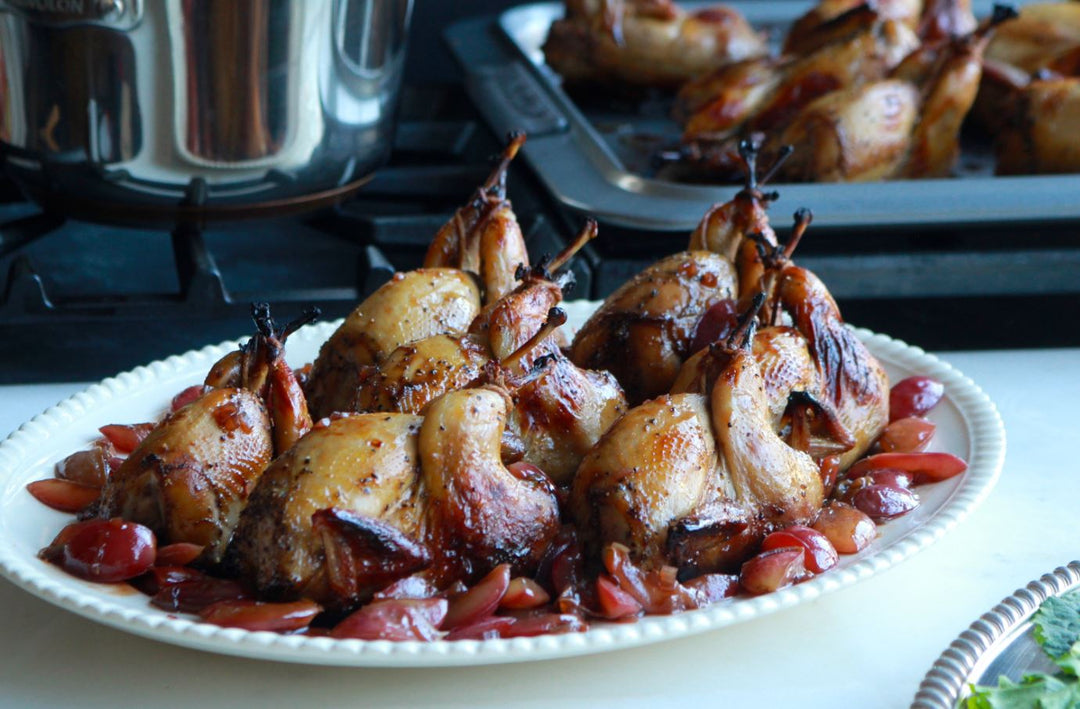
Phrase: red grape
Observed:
(480, 600)
(108, 550)
(545, 624)
(394, 620)
(711, 588)
(716, 324)
(925, 467)
(524, 593)
(850, 530)
(773, 569)
(907, 435)
(615, 603)
(914, 396)
(126, 437)
(188, 396)
(491, 627)
(178, 554)
(63, 495)
(884, 502)
(89, 467)
(820, 555)
(198, 593)
(256, 616)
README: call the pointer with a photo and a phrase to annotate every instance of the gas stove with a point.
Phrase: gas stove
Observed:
(82, 300)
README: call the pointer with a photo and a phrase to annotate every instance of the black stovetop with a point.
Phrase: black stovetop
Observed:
(80, 301)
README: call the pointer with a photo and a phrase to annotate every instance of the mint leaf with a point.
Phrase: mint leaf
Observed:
(1070, 661)
(1057, 624)
(1034, 692)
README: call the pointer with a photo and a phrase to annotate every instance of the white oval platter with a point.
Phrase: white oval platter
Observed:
(968, 425)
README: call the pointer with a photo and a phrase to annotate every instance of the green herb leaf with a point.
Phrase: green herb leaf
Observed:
(1037, 691)
(1070, 661)
(1057, 624)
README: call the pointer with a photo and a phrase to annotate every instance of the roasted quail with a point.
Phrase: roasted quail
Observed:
(646, 42)
(366, 499)
(644, 330)
(480, 243)
(191, 476)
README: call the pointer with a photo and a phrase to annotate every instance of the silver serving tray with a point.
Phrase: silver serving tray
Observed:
(998, 643)
(595, 164)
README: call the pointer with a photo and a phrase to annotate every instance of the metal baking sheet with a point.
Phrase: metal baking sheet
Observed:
(592, 160)
(999, 643)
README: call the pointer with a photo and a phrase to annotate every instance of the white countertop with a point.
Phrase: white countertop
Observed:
(865, 646)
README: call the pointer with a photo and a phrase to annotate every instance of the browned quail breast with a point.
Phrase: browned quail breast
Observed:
(190, 478)
(830, 20)
(366, 464)
(1039, 133)
(414, 375)
(561, 414)
(784, 359)
(643, 331)
(852, 379)
(854, 135)
(695, 481)
(409, 307)
(479, 513)
(948, 95)
(1042, 32)
(865, 55)
(782, 485)
(646, 42)
(656, 465)
(734, 93)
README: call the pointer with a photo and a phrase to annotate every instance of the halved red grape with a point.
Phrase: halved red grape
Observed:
(773, 569)
(925, 467)
(160, 576)
(480, 600)
(524, 593)
(849, 529)
(188, 396)
(820, 554)
(487, 628)
(907, 435)
(394, 620)
(178, 554)
(256, 616)
(710, 588)
(414, 586)
(63, 495)
(126, 437)
(89, 467)
(108, 550)
(545, 624)
(914, 396)
(716, 324)
(880, 476)
(615, 603)
(194, 595)
(884, 502)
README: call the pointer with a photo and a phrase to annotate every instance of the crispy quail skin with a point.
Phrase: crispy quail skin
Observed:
(480, 514)
(365, 499)
(190, 478)
(367, 464)
(694, 480)
(643, 331)
(646, 42)
(409, 307)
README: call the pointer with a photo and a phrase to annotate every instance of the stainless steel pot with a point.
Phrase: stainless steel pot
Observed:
(225, 105)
